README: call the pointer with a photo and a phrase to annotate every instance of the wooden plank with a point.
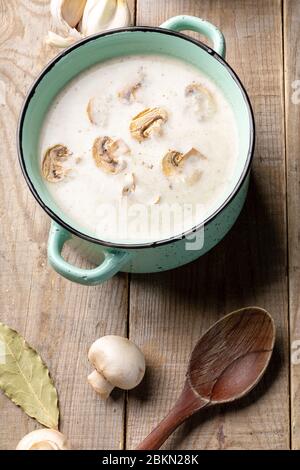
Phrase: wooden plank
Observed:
(58, 318)
(292, 103)
(169, 311)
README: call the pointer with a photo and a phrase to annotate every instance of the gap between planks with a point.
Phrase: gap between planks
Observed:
(284, 124)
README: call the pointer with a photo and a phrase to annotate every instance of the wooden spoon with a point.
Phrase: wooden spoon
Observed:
(226, 363)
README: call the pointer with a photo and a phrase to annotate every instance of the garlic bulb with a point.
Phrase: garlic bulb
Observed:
(76, 19)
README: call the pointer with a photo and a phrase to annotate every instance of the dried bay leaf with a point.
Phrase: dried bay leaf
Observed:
(25, 379)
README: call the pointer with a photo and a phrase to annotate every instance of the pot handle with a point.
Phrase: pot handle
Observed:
(112, 263)
(193, 23)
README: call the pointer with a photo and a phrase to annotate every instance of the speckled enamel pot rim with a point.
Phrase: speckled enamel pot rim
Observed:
(129, 246)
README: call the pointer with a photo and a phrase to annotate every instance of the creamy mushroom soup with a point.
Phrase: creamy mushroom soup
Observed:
(139, 148)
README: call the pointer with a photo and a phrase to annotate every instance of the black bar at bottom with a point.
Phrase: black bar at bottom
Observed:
(138, 459)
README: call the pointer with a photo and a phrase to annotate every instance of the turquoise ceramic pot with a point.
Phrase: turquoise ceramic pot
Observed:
(162, 254)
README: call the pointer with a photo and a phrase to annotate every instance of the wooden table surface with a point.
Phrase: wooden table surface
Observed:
(258, 263)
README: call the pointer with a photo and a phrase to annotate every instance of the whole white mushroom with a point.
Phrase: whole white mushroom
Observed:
(43, 439)
(118, 363)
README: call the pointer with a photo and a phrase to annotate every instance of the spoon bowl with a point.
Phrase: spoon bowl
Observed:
(226, 363)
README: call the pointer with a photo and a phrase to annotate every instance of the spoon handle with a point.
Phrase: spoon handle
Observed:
(187, 404)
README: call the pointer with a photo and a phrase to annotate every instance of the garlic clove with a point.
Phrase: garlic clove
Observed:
(97, 15)
(56, 40)
(66, 15)
(103, 15)
(122, 16)
(67, 12)
(72, 11)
